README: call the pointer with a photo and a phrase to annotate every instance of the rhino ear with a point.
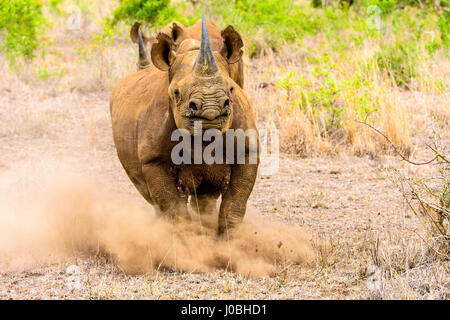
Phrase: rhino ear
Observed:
(162, 52)
(177, 31)
(232, 45)
(134, 35)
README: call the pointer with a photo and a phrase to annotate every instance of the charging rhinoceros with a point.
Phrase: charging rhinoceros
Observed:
(188, 86)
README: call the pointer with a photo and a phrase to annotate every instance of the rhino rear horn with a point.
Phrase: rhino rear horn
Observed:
(138, 37)
(143, 59)
(205, 64)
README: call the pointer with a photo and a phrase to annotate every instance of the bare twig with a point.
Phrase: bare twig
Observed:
(396, 149)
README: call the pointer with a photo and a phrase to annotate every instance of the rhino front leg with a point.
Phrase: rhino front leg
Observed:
(234, 201)
(163, 192)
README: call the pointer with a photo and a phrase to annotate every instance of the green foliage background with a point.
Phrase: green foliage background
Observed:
(21, 23)
(155, 12)
(268, 23)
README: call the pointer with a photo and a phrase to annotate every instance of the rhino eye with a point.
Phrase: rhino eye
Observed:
(231, 89)
(176, 92)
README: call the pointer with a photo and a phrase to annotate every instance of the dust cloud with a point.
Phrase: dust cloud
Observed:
(46, 222)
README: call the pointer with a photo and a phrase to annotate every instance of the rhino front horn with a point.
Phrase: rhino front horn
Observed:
(205, 64)
(143, 60)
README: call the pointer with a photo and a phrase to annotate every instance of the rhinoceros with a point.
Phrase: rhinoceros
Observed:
(187, 85)
(227, 41)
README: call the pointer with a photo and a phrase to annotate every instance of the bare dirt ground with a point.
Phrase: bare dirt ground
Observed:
(345, 204)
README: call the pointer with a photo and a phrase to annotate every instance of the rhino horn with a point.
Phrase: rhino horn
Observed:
(143, 60)
(205, 64)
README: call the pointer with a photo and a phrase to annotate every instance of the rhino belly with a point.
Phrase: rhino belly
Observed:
(202, 179)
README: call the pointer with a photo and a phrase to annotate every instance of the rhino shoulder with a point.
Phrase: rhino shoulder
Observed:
(243, 117)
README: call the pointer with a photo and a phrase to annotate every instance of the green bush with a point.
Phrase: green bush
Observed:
(324, 97)
(269, 23)
(316, 3)
(21, 23)
(318, 97)
(443, 23)
(399, 60)
(55, 6)
(275, 23)
(386, 6)
(155, 12)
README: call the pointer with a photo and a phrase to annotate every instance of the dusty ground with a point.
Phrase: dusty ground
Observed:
(345, 204)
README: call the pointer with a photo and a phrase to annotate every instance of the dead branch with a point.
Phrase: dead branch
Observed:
(437, 154)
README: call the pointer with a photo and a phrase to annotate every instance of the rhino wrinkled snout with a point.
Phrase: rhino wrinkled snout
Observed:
(210, 114)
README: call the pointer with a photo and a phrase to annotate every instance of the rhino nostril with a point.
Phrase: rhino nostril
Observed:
(193, 107)
(226, 106)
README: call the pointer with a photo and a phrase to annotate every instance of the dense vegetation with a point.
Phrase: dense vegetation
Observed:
(156, 12)
(21, 23)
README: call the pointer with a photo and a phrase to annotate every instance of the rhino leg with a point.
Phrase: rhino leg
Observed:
(163, 192)
(234, 200)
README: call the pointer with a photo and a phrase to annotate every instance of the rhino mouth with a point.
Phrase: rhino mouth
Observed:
(207, 125)
(217, 123)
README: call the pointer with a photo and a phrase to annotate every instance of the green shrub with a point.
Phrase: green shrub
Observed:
(154, 12)
(55, 5)
(316, 3)
(399, 60)
(318, 97)
(324, 98)
(269, 23)
(386, 6)
(21, 23)
(443, 23)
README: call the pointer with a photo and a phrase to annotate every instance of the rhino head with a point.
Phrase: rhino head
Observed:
(200, 87)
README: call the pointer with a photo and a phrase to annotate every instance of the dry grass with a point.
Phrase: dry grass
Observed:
(398, 114)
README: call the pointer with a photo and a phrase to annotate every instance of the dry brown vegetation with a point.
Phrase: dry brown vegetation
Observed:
(73, 226)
